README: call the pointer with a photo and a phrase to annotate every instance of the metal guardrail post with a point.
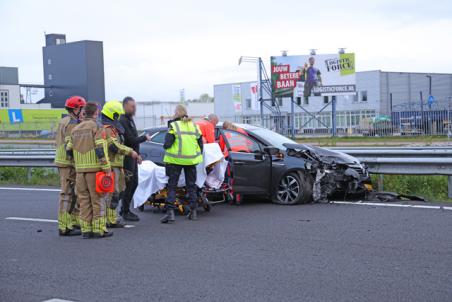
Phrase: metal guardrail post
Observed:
(449, 187)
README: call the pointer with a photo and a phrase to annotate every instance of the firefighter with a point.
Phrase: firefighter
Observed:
(88, 147)
(207, 127)
(116, 151)
(68, 213)
(183, 145)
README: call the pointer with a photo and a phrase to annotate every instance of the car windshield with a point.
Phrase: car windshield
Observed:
(273, 138)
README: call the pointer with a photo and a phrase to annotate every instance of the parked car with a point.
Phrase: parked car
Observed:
(278, 168)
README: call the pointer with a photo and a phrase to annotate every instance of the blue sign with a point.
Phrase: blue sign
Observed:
(430, 101)
(15, 116)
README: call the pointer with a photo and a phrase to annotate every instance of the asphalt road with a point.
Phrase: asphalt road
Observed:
(254, 252)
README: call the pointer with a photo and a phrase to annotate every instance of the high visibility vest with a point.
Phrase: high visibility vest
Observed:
(185, 150)
(208, 131)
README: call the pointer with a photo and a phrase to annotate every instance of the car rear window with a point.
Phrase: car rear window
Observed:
(159, 138)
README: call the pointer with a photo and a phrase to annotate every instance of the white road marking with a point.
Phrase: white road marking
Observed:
(57, 300)
(127, 226)
(395, 205)
(32, 219)
(29, 189)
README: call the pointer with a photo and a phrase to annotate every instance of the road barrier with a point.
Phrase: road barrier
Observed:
(380, 160)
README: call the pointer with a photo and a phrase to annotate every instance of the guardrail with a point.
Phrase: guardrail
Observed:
(386, 160)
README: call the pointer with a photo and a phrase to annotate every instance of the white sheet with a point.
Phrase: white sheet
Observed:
(152, 178)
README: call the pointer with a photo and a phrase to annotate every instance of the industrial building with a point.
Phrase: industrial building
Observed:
(75, 68)
(403, 96)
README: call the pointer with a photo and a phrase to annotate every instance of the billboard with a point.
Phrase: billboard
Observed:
(30, 119)
(313, 75)
(237, 98)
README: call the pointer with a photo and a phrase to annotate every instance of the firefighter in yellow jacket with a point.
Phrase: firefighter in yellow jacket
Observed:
(88, 147)
(116, 151)
(68, 212)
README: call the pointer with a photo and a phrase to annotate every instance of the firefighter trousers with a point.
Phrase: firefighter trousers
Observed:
(113, 198)
(68, 210)
(92, 204)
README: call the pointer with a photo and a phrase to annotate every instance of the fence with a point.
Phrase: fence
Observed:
(393, 160)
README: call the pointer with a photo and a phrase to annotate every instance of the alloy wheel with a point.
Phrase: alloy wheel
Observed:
(288, 190)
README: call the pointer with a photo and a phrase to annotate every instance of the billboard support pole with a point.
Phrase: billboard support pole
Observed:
(261, 97)
(333, 115)
(292, 117)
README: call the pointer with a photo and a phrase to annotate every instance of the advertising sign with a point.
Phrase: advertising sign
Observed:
(316, 75)
(254, 96)
(30, 119)
(237, 98)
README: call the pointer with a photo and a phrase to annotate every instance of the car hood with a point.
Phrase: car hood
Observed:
(324, 154)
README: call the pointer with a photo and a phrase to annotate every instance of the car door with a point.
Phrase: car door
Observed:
(250, 165)
(153, 149)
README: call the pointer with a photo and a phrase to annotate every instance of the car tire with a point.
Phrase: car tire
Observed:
(294, 188)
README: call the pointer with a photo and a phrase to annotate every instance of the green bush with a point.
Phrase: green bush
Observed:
(29, 176)
(431, 187)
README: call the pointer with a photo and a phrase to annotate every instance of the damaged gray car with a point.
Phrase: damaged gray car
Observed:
(266, 164)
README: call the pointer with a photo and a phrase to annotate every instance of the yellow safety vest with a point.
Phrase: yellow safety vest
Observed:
(185, 150)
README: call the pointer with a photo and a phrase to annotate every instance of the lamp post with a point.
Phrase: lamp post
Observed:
(258, 60)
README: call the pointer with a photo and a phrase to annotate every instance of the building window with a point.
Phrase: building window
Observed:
(298, 100)
(325, 99)
(280, 101)
(248, 103)
(355, 97)
(49, 61)
(306, 100)
(364, 96)
(50, 77)
(4, 99)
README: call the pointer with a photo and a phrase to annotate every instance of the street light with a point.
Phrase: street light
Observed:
(312, 51)
(258, 60)
(342, 50)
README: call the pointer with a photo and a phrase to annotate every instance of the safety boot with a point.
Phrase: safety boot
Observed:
(70, 232)
(169, 217)
(87, 235)
(104, 235)
(193, 214)
(117, 225)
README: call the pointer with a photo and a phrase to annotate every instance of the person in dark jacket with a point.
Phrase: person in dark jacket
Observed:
(132, 140)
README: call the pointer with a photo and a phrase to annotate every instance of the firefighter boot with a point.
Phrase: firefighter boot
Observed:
(169, 217)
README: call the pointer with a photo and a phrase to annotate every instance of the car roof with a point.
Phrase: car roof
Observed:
(247, 127)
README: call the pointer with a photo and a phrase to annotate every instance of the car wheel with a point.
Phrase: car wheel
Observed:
(293, 188)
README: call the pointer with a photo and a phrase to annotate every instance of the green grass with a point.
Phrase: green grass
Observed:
(431, 187)
(19, 176)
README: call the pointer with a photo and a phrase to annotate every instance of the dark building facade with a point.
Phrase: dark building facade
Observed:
(75, 68)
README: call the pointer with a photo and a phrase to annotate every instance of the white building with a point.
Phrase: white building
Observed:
(10, 94)
(154, 114)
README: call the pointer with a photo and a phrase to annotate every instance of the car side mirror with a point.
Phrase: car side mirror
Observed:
(271, 150)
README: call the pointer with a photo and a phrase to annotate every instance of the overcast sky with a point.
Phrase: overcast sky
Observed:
(152, 49)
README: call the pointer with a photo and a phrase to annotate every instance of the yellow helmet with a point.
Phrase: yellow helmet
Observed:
(113, 109)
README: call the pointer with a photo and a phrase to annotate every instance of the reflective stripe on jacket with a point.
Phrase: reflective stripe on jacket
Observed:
(116, 149)
(185, 150)
(89, 145)
(62, 137)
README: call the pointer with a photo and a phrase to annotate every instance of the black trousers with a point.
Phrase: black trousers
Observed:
(173, 172)
(131, 186)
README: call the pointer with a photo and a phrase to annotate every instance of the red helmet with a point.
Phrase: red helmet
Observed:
(75, 102)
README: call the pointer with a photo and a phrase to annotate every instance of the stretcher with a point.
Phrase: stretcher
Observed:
(207, 197)
(152, 182)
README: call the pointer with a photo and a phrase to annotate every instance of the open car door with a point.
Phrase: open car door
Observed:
(249, 164)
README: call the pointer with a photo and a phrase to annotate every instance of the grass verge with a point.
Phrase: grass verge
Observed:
(29, 176)
(431, 187)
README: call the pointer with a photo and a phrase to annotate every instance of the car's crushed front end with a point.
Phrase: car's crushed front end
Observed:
(334, 173)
